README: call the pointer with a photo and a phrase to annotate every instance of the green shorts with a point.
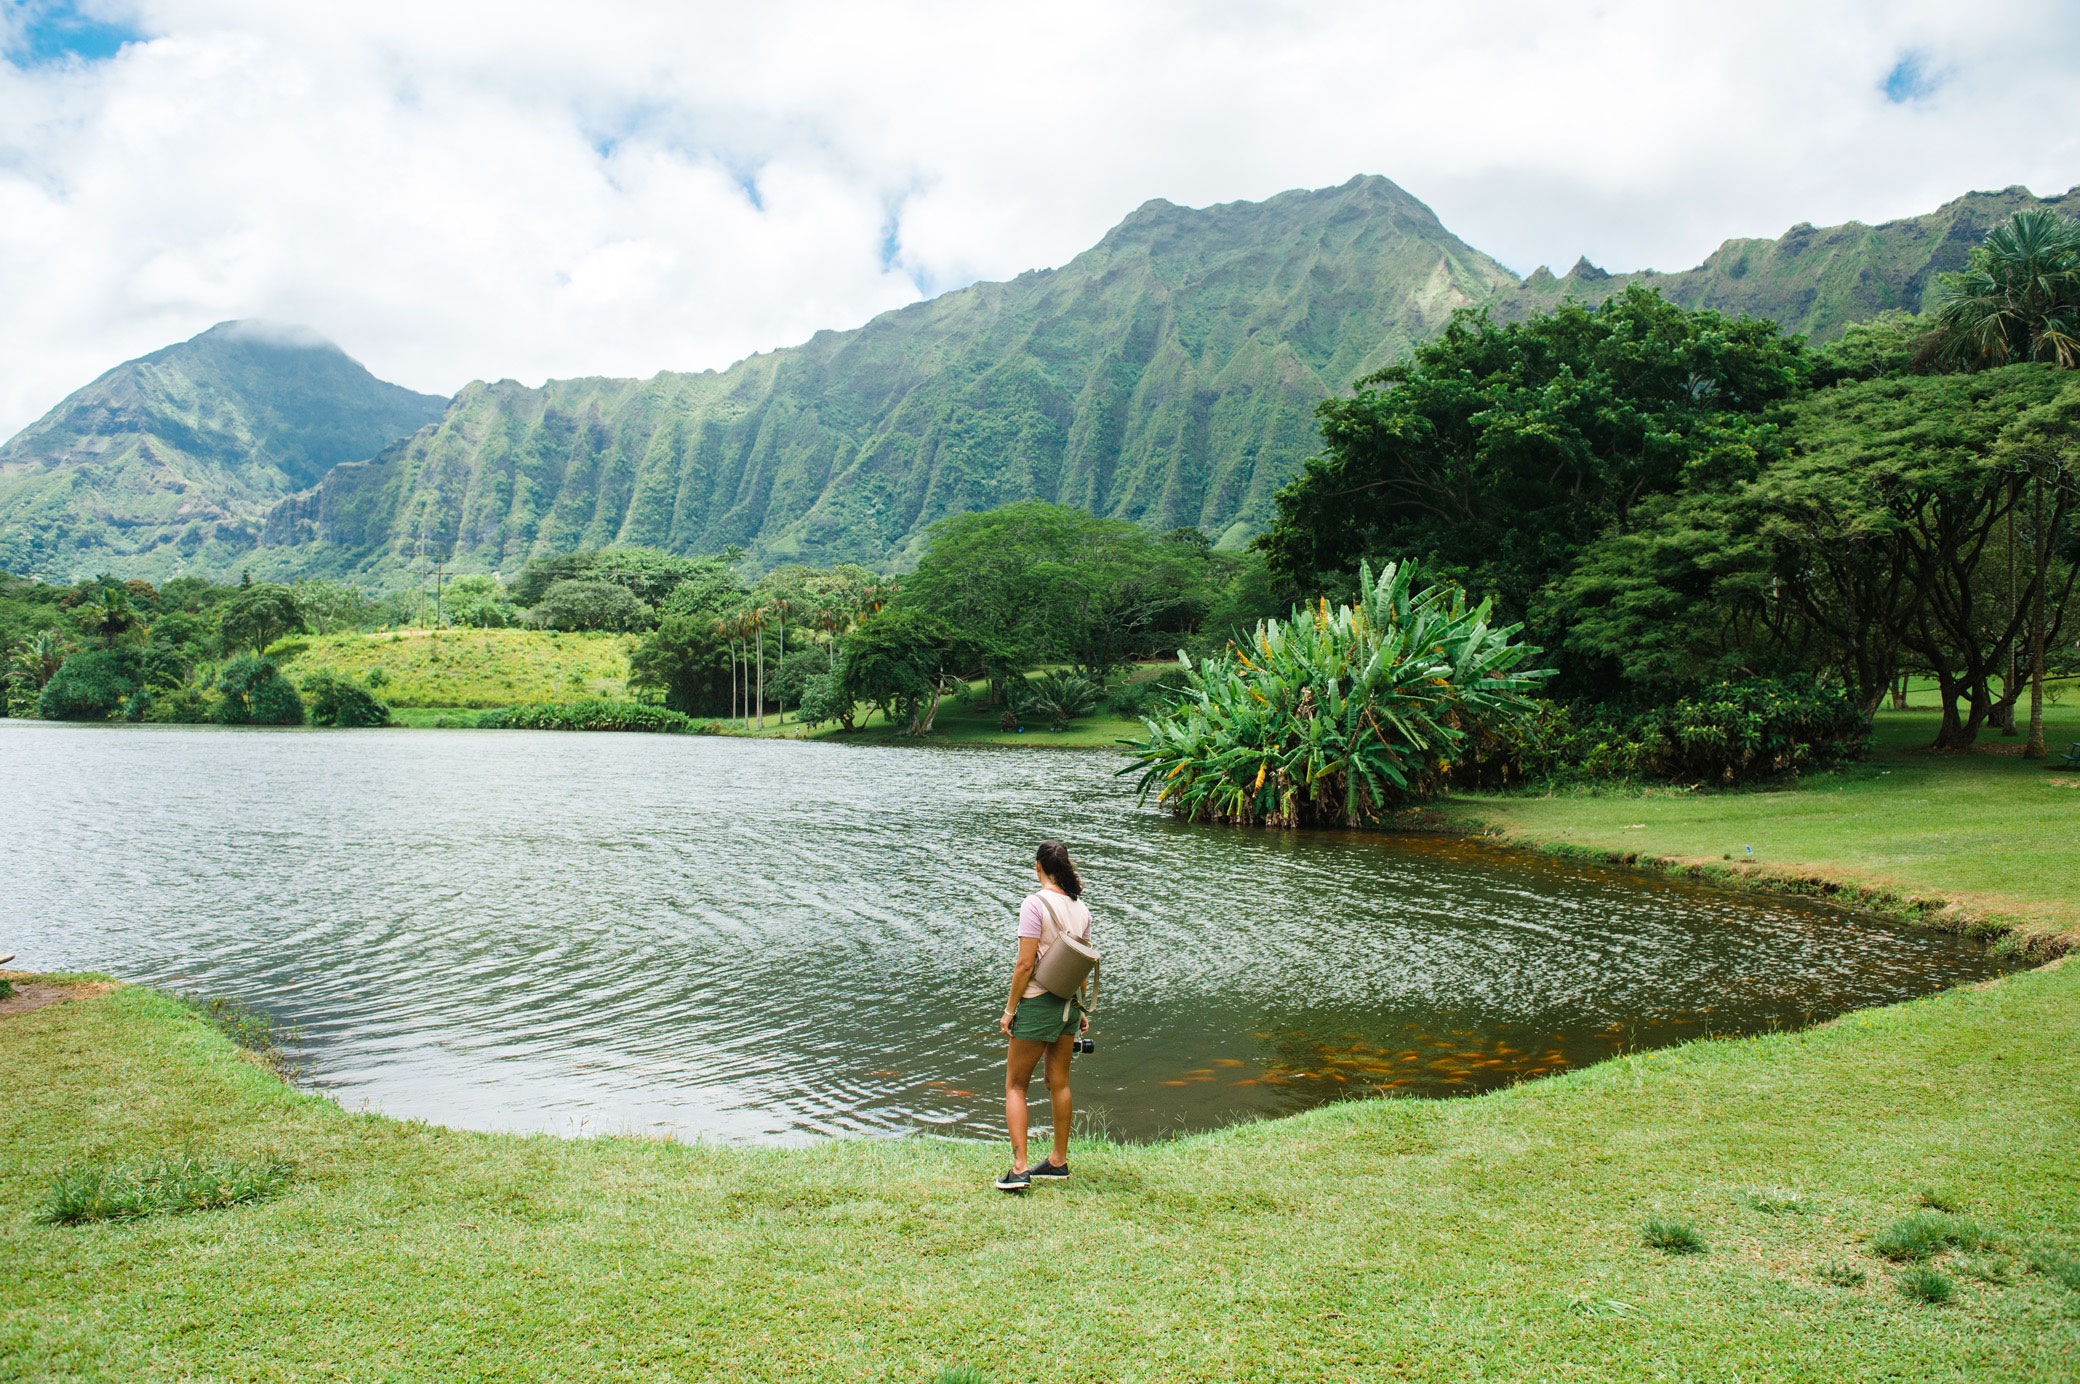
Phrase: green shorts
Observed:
(1039, 1019)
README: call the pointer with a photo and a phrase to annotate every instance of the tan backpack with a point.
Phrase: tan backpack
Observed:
(1067, 963)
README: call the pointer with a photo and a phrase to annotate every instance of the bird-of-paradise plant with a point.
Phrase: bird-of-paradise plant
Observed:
(1341, 713)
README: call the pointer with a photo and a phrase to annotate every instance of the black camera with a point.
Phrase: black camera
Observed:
(1083, 1045)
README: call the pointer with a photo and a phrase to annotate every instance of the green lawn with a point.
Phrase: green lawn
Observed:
(1492, 1238)
(1990, 832)
(471, 668)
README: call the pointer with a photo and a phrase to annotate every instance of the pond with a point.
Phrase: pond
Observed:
(754, 940)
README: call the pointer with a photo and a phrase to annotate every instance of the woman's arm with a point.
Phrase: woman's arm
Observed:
(1021, 976)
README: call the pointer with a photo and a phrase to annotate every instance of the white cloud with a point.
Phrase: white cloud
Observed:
(488, 189)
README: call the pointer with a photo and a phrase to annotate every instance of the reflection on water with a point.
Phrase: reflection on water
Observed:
(759, 940)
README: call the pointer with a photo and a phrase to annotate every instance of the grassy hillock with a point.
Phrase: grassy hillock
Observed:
(471, 668)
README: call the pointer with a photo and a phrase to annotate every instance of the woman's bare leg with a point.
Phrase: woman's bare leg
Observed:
(1058, 1095)
(1018, 1074)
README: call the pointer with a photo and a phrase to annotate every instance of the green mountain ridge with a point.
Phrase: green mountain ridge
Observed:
(171, 462)
(1167, 375)
(1811, 280)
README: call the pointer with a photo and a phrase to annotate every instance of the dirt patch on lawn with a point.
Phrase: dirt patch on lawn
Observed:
(32, 995)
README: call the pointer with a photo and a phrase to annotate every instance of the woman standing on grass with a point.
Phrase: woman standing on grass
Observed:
(1038, 1023)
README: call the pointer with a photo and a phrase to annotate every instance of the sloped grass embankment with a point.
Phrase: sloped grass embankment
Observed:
(1502, 1237)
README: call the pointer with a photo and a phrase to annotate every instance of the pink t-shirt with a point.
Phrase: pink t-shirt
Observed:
(1031, 914)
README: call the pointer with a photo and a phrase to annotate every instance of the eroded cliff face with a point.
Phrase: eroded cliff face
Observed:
(1167, 375)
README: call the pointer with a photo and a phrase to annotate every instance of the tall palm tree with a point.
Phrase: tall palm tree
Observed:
(756, 618)
(780, 606)
(2017, 299)
(109, 613)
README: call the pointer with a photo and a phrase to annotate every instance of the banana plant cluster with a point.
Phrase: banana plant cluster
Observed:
(1340, 713)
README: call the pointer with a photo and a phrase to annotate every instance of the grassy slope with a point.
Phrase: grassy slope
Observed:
(1994, 833)
(469, 668)
(1495, 1238)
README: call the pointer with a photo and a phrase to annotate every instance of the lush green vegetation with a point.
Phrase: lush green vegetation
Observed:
(1725, 733)
(1500, 1236)
(595, 714)
(1339, 715)
(1668, 498)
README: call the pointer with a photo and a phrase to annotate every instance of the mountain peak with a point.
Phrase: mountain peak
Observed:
(288, 335)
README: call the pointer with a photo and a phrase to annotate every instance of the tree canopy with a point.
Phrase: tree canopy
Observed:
(1497, 453)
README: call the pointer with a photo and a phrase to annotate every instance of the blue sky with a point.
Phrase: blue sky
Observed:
(528, 188)
(1911, 79)
(58, 31)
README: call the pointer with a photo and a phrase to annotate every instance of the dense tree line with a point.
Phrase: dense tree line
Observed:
(1705, 527)
(189, 650)
(1669, 499)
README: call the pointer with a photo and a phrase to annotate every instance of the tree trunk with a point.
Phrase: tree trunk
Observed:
(733, 679)
(1950, 735)
(2040, 545)
(1899, 693)
(2003, 713)
(2011, 683)
(761, 679)
(781, 697)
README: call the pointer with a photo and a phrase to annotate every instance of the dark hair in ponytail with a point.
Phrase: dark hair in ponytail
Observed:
(1053, 857)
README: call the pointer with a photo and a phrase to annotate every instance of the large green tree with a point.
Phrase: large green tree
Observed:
(1499, 453)
(257, 614)
(1869, 543)
(2018, 299)
(1035, 581)
(687, 660)
(903, 661)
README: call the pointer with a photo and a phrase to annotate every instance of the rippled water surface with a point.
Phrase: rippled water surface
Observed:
(760, 940)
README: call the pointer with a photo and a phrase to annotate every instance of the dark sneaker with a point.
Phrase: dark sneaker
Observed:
(1013, 1181)
(1050, 1171)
